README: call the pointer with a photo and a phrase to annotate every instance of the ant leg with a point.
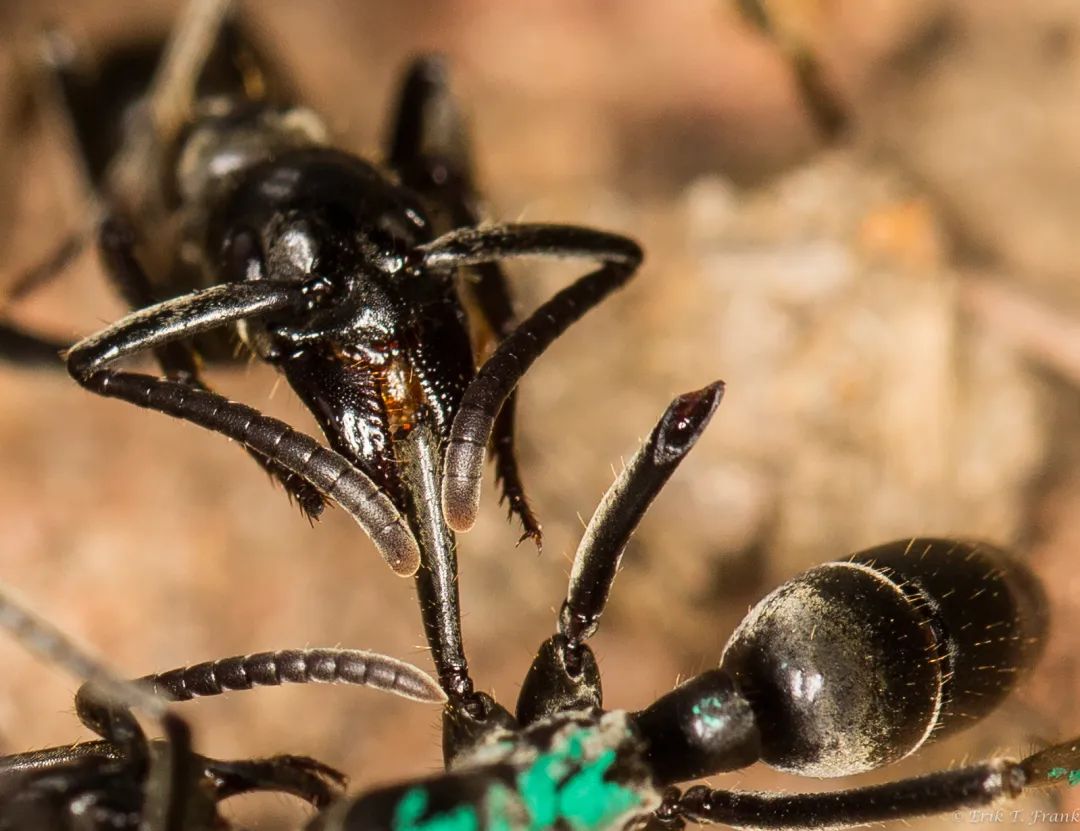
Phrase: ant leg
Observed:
(25, 349)
(174, 782)
(111, 718)
(184, 317)
(20, 346)
(52, 99)
(507, 474)
(428, 146)
(109, 700)
(305, 778)
(935, 793)
(55, 263)
(831, 117)
(429, 150)
(17, 345)
(564, 674)
(172, 93)
(299, 776)
(497, 378)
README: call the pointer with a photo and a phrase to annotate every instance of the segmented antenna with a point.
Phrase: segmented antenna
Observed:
(296, 666)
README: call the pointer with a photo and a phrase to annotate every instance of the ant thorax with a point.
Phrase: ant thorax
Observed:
(224, 211)
(585, 769)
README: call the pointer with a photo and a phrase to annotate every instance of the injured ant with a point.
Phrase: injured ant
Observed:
(227, 212)
(341, 278)
(846, 668)
(126, 781)
(843, 669)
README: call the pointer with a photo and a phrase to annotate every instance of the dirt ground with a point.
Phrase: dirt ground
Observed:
(894, 309)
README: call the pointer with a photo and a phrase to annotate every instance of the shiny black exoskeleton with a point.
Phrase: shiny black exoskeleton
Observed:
(845, 668)
(226, 212)
(341, 275)
(125, 781)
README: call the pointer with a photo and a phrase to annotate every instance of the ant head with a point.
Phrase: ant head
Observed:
(330, 224)
(346, 278)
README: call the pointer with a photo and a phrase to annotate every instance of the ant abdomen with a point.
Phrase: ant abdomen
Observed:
(855, 664)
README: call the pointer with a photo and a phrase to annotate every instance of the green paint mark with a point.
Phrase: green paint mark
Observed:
(539, 787)
(584, 800)
(588, 802)
(706, 710)
(1072, 776)
(411, 807)
(499, 802)
(414, 803)
(561, 786)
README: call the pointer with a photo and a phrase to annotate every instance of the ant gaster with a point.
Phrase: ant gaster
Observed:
(338, 275)
(225, 210)
(845, 668)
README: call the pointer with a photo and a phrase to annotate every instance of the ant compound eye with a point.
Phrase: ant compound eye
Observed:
(297, 248)
(294, 249)
(853, 665)
(242, 257)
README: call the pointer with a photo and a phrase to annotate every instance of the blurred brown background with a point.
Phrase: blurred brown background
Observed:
(894, 311)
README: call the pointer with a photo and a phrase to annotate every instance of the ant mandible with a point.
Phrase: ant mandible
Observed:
(345, 276)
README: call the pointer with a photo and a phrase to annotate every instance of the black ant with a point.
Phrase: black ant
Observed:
(126, 781)
(342, 275)
(337, 275)
(846, 668)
